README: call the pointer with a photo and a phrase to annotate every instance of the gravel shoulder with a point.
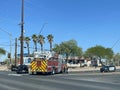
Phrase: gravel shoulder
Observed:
(4, 68)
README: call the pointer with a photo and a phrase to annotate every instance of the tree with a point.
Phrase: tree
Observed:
(27, 40)
(116, 59)
(35, 39)
(50, 40)
(99, 51)
(68, 48)
(2, 51)
(41, 41)
(78, 52)
(57, 48)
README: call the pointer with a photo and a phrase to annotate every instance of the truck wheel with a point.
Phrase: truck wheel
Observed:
(34, 72)
(29, 71)
(53, 71)
(65, 70)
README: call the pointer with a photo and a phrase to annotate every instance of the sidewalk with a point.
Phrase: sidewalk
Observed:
(83, 69)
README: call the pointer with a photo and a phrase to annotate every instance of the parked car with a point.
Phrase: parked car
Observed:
(13, 68)
(107, 68)
(22, 69)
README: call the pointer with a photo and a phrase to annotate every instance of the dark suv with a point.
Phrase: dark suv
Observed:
(108, 68)
(22, 69)
(13, 67)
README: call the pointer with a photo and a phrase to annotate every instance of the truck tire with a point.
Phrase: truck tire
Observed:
(53, 71)
(65, 70)
(29, 72)
(35, 73)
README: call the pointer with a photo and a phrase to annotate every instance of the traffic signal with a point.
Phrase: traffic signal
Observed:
(9, 55)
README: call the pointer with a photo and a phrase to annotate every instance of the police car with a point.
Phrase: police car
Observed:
(108, 68)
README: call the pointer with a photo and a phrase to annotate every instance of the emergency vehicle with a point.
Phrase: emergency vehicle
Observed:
(26, 61)
(47, 62)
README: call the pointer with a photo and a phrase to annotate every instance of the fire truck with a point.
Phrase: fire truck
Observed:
(47, 62)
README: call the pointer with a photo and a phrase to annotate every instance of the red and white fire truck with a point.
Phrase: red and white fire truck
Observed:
(47, 62)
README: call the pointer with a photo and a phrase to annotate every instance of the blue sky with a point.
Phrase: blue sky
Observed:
(89, 22)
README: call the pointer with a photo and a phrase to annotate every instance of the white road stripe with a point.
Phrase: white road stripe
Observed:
(14, 75)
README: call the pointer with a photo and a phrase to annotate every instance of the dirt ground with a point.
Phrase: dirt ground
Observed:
(4, 68)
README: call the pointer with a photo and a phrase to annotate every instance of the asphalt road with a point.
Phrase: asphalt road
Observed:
(72, 81)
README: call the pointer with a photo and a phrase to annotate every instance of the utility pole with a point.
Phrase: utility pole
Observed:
(15, 52)
(22, 32)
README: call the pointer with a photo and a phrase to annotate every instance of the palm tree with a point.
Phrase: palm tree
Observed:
(27, 40)
(35, 38)
(41, 41)
(50, 39)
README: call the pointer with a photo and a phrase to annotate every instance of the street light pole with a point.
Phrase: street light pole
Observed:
(10, 47)
(22, 32)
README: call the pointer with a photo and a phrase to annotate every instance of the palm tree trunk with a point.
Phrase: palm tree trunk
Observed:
(41, 47)
(36, 47)
(50, 46)
(28, 50)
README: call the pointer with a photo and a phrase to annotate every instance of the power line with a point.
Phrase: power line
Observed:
(42, 28)
(115, 43)
(10, 36)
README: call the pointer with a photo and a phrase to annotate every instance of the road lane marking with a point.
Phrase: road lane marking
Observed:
(14, 75)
